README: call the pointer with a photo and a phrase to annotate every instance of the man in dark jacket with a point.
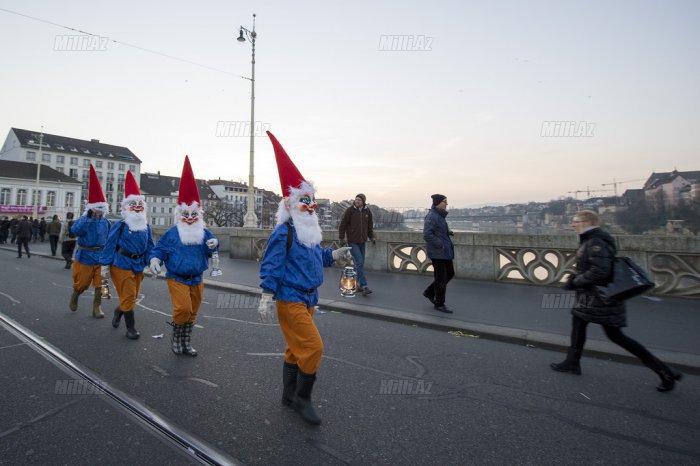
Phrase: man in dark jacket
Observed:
(440, 251)
(24, 234)
(4, 230)
(357, 225)
(594, 259)
(54, 230)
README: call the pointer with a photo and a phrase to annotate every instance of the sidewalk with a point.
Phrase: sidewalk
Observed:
(529, 315)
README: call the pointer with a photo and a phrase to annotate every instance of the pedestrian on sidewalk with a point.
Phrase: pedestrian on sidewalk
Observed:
(42, 229)
(4, 230)
(291, 272)
(14, 224)
(67, 239)
(35, 230)
(594, 259)
(440, 251)
(357, 226)
(91, 230)
(54, 230)
(126, 254)
(24, 234)
(185, 249)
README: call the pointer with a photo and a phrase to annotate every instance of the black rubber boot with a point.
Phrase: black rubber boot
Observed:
(117, 317)
(176, 339)
(289, 382)
(302, 401)
(186, 340)
(571, 364)
(668, 376)
(130, 321)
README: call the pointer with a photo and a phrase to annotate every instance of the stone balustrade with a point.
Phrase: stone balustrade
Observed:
(672, 261)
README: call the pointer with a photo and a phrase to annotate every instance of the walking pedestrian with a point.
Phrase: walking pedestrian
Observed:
(42, 229)
(91, 230)
(24, 234)
(357, 225)
(35, 230)
(14, 223)
(594, 259)
(291, 273)
(67, 239)
(440, 251)
(4, 230)
(54, 230)
(126, 254)
(185, 248)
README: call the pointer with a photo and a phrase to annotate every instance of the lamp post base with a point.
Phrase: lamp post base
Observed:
(250, 220)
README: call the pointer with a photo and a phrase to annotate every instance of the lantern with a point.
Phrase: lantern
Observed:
(348, 282)
(104, 289)
(215, 270)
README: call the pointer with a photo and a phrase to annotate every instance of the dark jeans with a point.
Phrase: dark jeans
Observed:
(578, 339)
(443, 271)
(20, 242)
(53, 241)
(358, 255)
(67, 248)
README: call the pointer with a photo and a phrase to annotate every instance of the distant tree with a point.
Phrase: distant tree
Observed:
(223, 214)
(641, 217)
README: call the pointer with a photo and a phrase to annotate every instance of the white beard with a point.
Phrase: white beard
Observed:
(136, 221)
(307, 228)
(191, 234)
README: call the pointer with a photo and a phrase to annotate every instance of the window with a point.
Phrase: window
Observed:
(109, 198)
(121, 166)
(46, 157)
(109, 186)
(59, 169)
(21, 197)
(120, 177)
(36, 197)
(110, 165)
(86, 175)
(132, 168)
(51, 199)
(60, 159)
(74, 160)
(110, 176)
(73, 173)
(153, 209)
(162, 210)
(69, 199)
(31, 156)
(86, 162)
(5, 196)
(120, 187)
(98, 163)
(99, 174)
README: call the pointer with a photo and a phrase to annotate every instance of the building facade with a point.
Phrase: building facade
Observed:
(72, 157)
(161, 193)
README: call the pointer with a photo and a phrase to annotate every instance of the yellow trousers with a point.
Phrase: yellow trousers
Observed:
(128, 285)
(304, 346)
(186, 300)
(84, 274)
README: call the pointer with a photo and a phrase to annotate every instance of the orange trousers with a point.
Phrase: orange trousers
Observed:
(304, 346)
(186, 300)
(84, 274)
(128, 285)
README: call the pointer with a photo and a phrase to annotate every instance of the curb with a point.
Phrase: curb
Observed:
(688, 363)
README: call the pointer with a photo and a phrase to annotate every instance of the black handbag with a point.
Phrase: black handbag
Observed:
(628, 280)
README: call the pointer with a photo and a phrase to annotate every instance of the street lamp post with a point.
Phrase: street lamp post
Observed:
(251, 220)
(35, 204)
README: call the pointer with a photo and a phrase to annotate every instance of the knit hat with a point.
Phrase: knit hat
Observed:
(363, 197)
(438, 198)
(188, 193)
(291, 180)
(96, 199)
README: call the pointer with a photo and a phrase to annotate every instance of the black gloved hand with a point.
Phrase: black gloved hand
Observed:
(89, 214)
(569, 284)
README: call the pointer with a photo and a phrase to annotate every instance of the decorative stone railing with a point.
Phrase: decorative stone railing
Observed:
(672, 261)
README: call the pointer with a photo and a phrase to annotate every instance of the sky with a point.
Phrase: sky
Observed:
(394, 99)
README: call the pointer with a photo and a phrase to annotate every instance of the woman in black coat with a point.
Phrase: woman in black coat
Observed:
(594, 259)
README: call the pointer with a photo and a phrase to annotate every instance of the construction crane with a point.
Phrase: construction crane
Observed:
(588, 191)
(615, 183)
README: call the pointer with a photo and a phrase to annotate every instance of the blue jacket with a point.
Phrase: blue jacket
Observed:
(130, 242)
(184, 262)
(438, 244)
(91, 233)
(295, 275)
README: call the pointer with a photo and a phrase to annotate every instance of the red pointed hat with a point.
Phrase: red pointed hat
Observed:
(189, 192)
(130, 186)
(290, 176)
(95, 194)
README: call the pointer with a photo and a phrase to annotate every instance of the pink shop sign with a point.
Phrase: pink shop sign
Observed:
(20, 209)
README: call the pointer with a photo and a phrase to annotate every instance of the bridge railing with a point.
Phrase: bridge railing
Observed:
(672, 261)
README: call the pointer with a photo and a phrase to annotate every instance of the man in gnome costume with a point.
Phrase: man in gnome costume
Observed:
(127, 251)
(291, 272)
(185, 249)
(91, 230)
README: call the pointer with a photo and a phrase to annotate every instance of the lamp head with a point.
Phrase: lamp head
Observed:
(240, 36)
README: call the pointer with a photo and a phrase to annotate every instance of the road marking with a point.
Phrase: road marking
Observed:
(13, 300)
